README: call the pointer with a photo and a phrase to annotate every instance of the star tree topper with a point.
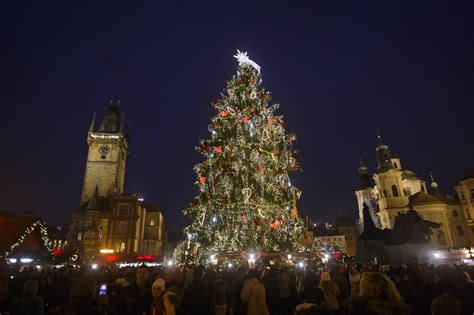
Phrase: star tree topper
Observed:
(243, 58)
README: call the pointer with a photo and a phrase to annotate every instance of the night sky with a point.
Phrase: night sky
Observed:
(339, 70)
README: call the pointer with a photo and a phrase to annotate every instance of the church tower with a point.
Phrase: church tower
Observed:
(107, 156)
(389, 185)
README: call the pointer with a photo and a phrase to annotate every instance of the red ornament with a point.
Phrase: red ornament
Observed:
(270, 121)
(245, 119)
(275, 224)
(190, 215)
(245, 218)
(294, 212)
(218, 149)
(224, 114)
(202, 179)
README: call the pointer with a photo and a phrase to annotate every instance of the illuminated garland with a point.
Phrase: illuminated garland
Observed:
(28, 231)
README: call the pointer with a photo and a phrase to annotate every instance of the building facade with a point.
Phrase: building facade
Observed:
(108, 221)
(465, 194)
(393, 189)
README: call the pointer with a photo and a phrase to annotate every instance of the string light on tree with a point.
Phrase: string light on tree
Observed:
(245, 198)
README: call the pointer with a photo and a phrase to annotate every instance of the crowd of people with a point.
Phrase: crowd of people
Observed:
(337, 289)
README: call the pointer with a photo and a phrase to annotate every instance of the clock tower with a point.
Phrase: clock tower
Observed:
(107, 156)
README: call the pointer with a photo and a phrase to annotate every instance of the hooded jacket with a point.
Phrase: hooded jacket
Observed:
(253, 293)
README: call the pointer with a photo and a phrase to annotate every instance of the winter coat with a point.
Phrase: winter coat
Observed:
(196, 298)
(253, 293)
(284, 285)
(220, 293)
(332, 295)
(169, 300)
(30, 305)
(359, 305)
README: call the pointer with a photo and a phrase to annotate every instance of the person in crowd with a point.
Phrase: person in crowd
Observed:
(284, 284)
(446, 304)
(163, 301)
(378, 295)
(354, 280)
(220, 295)
(272, 292)
(431, 287)
(253, 294)
(82, 300)
(117, 300)
(196, 297)
(30, 303)
(410, 293)
(341, 278)
(139, 293)
(331, 293)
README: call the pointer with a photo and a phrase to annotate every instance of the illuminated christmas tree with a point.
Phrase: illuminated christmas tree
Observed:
(246, 200)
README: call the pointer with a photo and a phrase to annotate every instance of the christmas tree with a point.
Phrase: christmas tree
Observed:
(246, 200)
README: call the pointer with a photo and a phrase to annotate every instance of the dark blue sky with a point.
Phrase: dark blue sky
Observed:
(340, 70)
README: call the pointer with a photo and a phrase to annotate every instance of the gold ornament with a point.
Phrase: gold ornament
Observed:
(247, 193)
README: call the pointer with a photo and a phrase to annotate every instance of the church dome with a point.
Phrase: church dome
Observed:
(407, 174)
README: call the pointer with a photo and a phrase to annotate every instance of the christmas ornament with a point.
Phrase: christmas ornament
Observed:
(224, 114)
(230, 92)
(265, 135)
(253, 95)
(245, 119)
(230, 110)
(247, 193)
(260, 167)
(218, 149)
(294, 213)
(202, 179)
(245, 218)
(190, 215)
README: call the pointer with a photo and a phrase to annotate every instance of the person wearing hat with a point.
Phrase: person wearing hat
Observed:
(163, 302)
(331, 292)
(445, 304)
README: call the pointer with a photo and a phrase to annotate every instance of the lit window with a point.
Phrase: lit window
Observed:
(79, 236)
(123, 210)
(122, 247)
(152, 222)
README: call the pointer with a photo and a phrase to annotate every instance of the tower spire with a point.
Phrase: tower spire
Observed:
(92, 126)
(383, 154)
(434, 185)
(364, 177)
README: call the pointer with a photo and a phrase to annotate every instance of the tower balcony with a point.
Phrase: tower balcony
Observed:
(393, 202)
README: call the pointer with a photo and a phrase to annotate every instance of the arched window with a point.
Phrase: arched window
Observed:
(395, 191)
(122, 247)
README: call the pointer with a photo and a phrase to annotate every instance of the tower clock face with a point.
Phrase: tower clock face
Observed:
(104, 150)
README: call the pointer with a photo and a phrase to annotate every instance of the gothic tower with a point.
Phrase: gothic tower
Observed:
(107, 155)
